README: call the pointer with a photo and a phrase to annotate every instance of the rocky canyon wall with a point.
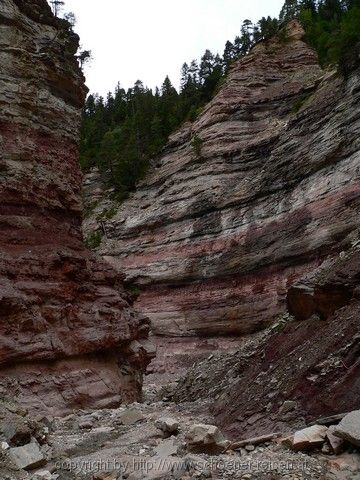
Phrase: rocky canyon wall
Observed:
(215, 236)
(305, 367)
(68, 334)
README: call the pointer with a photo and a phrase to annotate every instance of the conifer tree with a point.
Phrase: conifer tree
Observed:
(57, 5)
(290, 10)
(194, 71)
(229, 54)
(246, 37)
(206, 66)
(268, 27)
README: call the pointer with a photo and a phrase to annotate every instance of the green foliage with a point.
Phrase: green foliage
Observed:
(300, 102)
(282, 35)
(348, 48)
(196, 144)
(122, 133)
(93, 240)
(107, 213)
(333, 28)
(119, 196)
(88, 209)
(134, 290)
(291, 9)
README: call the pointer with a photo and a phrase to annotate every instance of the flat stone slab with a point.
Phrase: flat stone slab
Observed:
(166, 448)
(335, 442)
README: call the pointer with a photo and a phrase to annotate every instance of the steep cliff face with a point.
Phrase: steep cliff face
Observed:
(253, 195)
(68, 335)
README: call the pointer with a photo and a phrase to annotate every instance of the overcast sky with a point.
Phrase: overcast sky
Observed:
(148, 39)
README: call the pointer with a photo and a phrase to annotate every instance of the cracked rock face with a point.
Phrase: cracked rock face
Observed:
(64, 316)
(215, 239)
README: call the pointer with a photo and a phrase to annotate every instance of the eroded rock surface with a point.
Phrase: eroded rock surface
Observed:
(312, 363)
(66, 323)
(214, 239)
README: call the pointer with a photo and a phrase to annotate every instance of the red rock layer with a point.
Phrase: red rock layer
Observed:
(313, 361)
(67, 328)
(215, 240)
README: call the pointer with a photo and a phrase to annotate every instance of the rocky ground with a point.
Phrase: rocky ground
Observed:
(132, 442)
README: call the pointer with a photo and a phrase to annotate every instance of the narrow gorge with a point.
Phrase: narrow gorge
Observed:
(208, 323)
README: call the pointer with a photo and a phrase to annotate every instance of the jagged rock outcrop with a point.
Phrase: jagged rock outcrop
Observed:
(67, 329)
(215, 235)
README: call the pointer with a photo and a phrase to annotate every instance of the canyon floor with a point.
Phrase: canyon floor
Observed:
(127, 443)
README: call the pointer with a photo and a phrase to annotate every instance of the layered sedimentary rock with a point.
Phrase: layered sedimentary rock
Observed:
(68, 334)
(222, 226)
(304, 368)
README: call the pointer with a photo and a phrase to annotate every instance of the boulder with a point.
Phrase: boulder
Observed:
(307, 438)
(16, 431)
(167, 425)
(28, 456)
(207, 438)
(349, 428)
(129, 417)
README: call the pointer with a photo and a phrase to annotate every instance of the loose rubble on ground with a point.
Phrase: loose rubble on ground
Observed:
(163, 440)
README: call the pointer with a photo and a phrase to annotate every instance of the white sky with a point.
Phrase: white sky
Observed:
(149, 39)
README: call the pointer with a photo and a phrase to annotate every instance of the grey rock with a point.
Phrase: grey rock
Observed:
(16, 431)
(86, 424)
(166, 448)
(206, 438)
(130, 417)
(249, 448)
(349, 428)
(335, 442)
(206, 473)
(307, 438)
(167, 425)
(44, 475)
(28, 456)
(287, 406)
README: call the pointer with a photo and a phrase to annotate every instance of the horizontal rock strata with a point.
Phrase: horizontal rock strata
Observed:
(64, 315)
(214, 239)
(304, 368)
